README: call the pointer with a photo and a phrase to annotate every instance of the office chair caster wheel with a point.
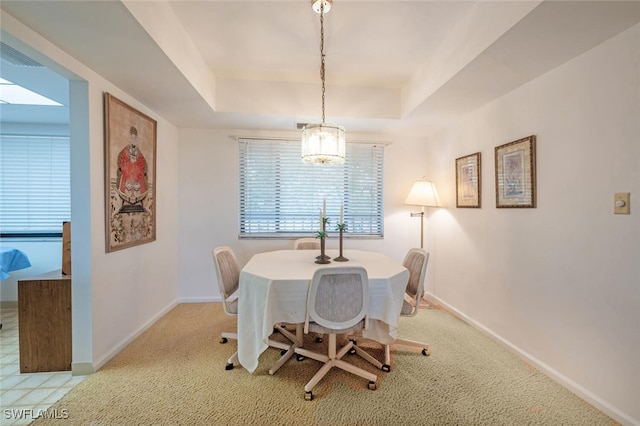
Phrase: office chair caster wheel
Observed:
(372, 386)
(299, 357)
(386, 368)
(282, 352)
(426, 351)
(308, 396)
(223, 340)
(228, 367)
(319, 339)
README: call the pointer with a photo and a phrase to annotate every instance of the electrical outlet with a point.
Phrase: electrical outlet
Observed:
(621, 203)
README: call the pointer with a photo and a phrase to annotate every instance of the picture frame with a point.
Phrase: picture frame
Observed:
(516, 174)
(469, 181)
(130, 175)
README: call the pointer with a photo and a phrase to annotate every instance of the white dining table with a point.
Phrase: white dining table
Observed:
(273, 289)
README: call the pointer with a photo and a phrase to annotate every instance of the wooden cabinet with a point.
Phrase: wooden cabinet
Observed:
(44, 322)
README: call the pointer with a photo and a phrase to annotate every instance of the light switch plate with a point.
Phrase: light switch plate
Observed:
(621, 203)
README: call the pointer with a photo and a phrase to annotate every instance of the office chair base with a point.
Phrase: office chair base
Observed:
(333, 359)
(386, 367)
(286, 350)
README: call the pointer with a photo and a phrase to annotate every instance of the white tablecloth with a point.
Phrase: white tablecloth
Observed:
(273, 289)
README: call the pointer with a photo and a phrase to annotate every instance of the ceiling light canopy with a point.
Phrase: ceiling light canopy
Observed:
(323, 143)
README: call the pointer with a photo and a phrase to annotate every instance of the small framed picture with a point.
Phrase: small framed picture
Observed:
(469, 181)
(516, 173)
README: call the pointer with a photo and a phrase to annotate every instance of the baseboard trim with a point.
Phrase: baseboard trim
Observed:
(199, 299)
(82, 368)
(558, 377)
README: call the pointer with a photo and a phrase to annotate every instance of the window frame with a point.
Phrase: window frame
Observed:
(370, 224)
(46, 230)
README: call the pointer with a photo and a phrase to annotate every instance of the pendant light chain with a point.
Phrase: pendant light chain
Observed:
(322, 143)
(322, 55)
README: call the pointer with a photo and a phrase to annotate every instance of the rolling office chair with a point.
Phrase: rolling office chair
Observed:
(337, 303)
(306, 244)
(228, 272)
(416, 261)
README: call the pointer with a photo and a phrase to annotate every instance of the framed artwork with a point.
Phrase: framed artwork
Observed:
(516, 173)
(130, 175)
(469, 181)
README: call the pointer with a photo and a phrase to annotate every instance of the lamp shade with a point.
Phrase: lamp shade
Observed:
(423, 193)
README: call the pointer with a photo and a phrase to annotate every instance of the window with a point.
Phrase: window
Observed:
(280, 196)
(34, 185)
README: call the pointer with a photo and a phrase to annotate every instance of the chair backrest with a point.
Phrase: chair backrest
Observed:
(338, 297)
(416, 262)
(306, 244)
(228, 271)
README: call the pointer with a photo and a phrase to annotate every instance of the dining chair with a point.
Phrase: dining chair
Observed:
(416, 261)
(228, 273)
(306, 244)
(337, 303)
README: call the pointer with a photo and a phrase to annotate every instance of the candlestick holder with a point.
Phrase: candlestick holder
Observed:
(323, 258)
(341, 258)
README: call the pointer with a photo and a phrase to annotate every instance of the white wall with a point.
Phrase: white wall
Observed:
(559, 282)
(115, 295)
(208, 199)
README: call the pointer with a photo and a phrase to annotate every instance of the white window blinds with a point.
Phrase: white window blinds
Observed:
(280, 196)
(34, 185)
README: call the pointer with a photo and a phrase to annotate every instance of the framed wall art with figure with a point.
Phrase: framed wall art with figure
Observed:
(130, 175)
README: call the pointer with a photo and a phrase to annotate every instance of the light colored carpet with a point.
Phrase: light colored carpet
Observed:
(173, 374)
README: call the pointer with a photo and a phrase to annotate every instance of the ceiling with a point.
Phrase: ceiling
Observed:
(402, 67)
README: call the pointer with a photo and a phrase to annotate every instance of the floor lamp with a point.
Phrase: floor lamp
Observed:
(423, 193)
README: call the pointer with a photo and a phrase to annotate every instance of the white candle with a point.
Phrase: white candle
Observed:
(320, 219)
(341, 214)
(324, 207)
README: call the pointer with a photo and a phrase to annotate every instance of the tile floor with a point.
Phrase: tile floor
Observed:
(23, 397)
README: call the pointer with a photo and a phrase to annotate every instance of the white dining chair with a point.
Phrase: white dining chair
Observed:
(306, 244)
(337, 303)
(228, 274)
(416, 261)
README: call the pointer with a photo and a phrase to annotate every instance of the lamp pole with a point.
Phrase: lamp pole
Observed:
(421, 215)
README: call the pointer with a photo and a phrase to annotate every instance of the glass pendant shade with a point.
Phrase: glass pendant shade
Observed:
(323, 144)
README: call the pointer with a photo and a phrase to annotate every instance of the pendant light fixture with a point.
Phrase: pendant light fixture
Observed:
(323, 143)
